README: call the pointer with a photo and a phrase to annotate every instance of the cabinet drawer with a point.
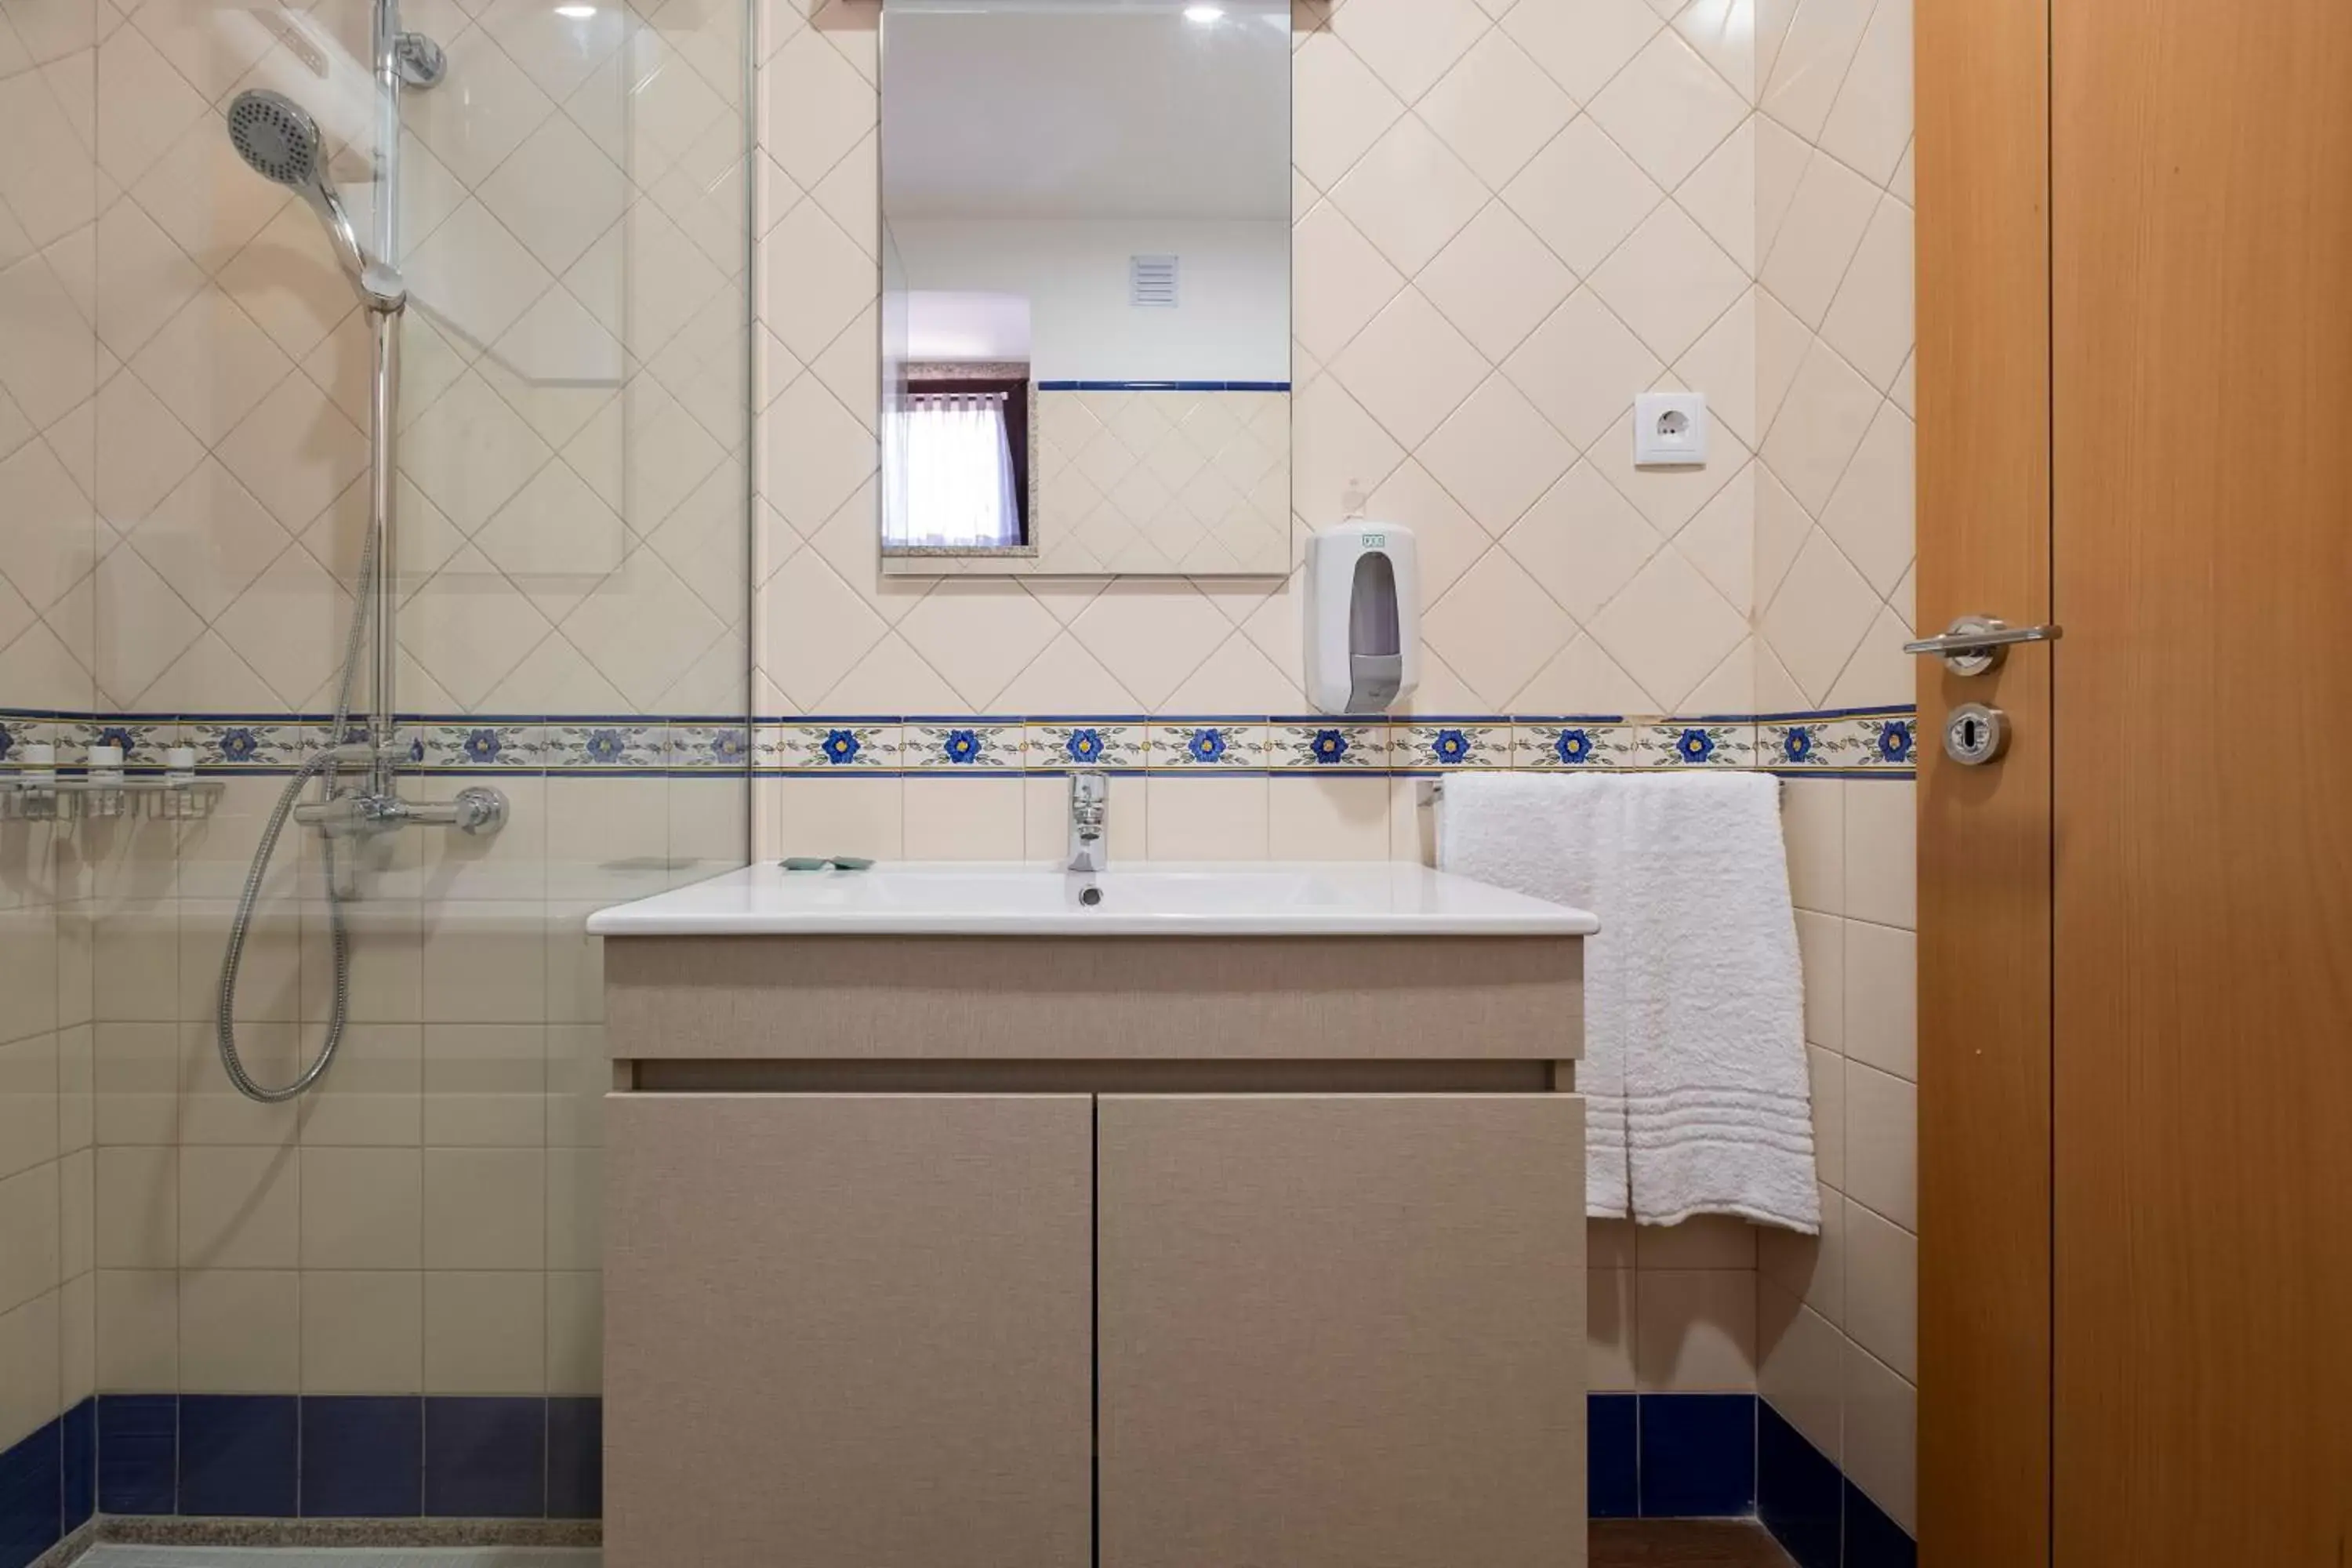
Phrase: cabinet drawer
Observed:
(848, 1330)
(1341, 1332)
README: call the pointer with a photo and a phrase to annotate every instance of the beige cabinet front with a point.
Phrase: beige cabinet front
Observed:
(848, 1331)
(1340, 1332)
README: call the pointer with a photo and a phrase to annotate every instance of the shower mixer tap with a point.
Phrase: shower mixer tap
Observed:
(281, 142)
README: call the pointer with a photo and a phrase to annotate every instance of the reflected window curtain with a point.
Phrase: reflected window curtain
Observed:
(951, 469)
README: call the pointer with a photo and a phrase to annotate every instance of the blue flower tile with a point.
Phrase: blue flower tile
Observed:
(30, 1488)
(836, 746)
(244, 744)
(16, 733)
(1552, 746)
(1884, 741)
(138, 1453)
(364, 1457)
(486, 746)
(1611, 1456)
(80, 1463)
(239, 1455)
(484, 1458)
(717, 748)
(1695, 743)
(575, 1458)
(952, 747)
(1083, 743)
(1222, 746)
(1698, 1456)
(1802, 746)
(144, 741)
(1797, 1492)
(1450, 743)
(1873, 1540)
(594, 746)
(1332, 745)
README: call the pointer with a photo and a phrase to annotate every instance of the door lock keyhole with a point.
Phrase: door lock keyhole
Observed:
(1975, 734)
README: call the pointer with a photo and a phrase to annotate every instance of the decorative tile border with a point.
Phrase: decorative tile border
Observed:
(1549, 745)
(1219, 744)
(1450, 743)
(1327, 746)
(1058, 745)
(1695, 743)
(960, 746)
(1879, 742)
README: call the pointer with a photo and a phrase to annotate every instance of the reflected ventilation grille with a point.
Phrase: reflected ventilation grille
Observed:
(1151, 281)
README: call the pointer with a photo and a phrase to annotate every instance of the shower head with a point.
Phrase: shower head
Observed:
(280, 141)
(277, 138)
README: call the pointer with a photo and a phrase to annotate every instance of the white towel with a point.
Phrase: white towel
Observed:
(1693, 1067)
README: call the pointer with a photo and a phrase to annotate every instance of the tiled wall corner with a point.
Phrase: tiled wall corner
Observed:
(1832, 347)
(1837, 1316)
(51, 361)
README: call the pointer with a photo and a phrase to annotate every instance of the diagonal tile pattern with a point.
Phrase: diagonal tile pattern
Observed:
(1510, 218)
(185, 379)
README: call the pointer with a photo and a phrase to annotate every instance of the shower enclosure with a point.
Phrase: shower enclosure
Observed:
(433, 512)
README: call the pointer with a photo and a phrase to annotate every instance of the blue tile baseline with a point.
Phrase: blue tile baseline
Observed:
(1613, 1466)
(1653, 1456)
(239, 1455)
(138, 1453)
(1670, 1455)
(363, 1456)
(32, 1495)
(1798, 1493)
(575, 1458)
(316, 1457)
(80, 1472)
(1822, 1519)
(484, 1458)
(1698, 1456)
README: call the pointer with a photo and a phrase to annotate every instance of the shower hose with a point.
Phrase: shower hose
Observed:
(322, 765)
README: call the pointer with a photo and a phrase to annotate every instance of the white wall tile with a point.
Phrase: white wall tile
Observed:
(1881, 1288)
(1882, 1156)
(1882, 855)
(1881, 998)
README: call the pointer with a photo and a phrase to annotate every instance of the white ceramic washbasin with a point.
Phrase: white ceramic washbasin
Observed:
(1141, 899)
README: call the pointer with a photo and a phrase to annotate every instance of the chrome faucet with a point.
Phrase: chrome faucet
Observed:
(1089, 820)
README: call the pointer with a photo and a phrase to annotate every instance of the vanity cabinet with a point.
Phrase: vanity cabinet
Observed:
(1148, 1331)
(848, 1331)
(1340, 1332)
(932, 1251)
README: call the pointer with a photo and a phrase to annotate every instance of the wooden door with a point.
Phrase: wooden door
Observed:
(2137, 1137)
(848, 1330)
(1984, 833)
(1341, 1332)
(2202, 245)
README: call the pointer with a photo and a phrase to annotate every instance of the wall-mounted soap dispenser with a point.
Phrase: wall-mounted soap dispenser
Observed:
(1363, 617)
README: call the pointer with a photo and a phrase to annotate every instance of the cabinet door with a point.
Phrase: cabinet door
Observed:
(848, 1331)
(1341, 1332)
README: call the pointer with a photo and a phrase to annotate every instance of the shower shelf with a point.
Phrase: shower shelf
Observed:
(71, 797)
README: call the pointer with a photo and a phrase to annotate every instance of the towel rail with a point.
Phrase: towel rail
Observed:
(1429, 792)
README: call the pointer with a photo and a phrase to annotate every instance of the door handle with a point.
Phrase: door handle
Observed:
(1975, 644)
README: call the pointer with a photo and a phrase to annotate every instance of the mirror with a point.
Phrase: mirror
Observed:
(1085, 312)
